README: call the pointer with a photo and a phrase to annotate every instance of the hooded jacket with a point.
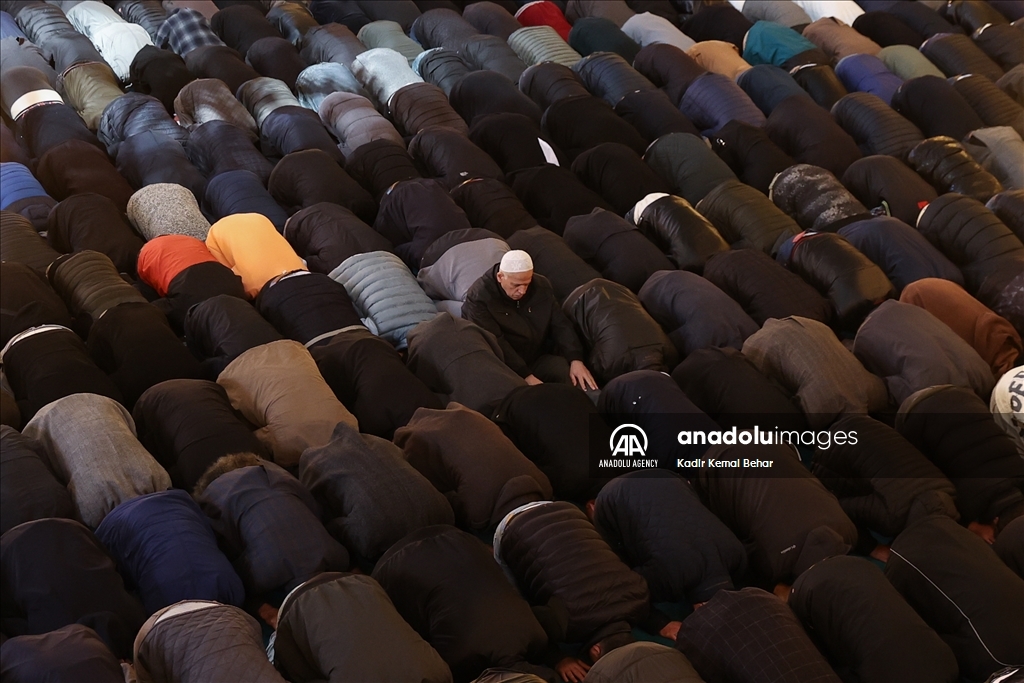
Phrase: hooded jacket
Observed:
(559, 559)
(188, 424)
(447, 586)
(267, 524)
(196, 638)
(868, 631)
(57, 573)
(522, 334)
(786, 518)
(656, 522)
(810, 362)
(466, 457)
(351, 477)
(371, 641)
(989, 334)
(620, 334)
(977, 618)
(883, 482)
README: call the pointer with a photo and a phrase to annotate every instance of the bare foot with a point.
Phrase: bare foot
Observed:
(268, 613)
(881, 553)
(986, 531)
(782, 592)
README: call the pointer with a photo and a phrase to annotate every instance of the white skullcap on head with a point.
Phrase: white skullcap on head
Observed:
(516, 261)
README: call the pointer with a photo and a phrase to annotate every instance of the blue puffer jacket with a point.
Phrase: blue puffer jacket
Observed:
(385, 294)
(165, 548)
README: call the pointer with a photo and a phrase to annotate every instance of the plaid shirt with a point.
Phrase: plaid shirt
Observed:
(185, 30)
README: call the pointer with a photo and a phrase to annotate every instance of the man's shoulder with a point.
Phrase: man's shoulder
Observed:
(481, 289)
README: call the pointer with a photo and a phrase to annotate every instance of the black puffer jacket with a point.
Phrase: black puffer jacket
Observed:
(875, 126)
(695, 313)
(548, 82)
(935, 107)
(446, 584)
(986, 251)
(815, 198)
(882, 481)
(746, 218)
(555, 425)
(786, 518)
(879, 180)
(675, 227)
(90, 285)
(620, 335)
(616, 248)
(851, 281)
(557, 556)
(326, 234)
(655, 520)
(945, 163)
(963, 591)
(992, 105)
(371, 496)
(868, 631)
(579, 123)
(729, 388)
(764, 288)
(553, 259)
(1009, 207)
(954, 429)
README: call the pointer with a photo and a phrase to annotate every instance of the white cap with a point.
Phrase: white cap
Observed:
(516, 261)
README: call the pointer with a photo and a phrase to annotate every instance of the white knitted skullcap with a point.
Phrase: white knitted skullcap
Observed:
(516, 261)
